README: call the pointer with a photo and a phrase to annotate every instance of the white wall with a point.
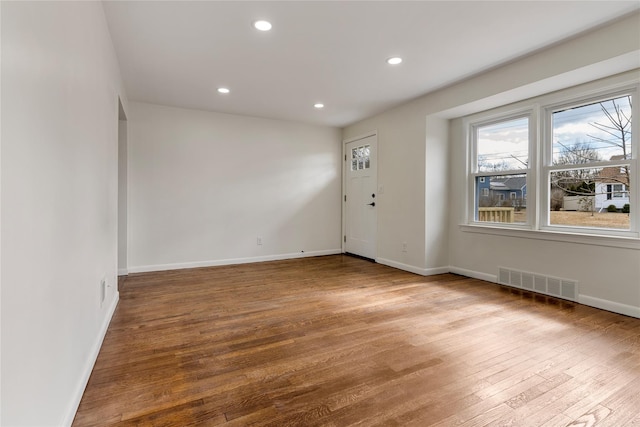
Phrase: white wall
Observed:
(413, 141)
(204, 186)
(438, 192)
(401, 173)
(59, 170)
(122, 196)
(608, 276)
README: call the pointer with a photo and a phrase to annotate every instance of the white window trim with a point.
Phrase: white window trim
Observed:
(479, 120)
(539, 110)
(557, 235)
(546, 168)
(618, 194)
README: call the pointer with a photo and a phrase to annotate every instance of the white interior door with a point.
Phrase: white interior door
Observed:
(361, 174)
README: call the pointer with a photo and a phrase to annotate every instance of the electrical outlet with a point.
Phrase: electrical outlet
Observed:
(404, 246)
(259, 241)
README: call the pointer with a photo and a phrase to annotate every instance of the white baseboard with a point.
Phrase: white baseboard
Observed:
(474, 274)
(411, 268)
(230, 261)
(616, 307)
(91, 361)
(123, 272)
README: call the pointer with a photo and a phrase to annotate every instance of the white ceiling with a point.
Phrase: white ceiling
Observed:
(178, 52)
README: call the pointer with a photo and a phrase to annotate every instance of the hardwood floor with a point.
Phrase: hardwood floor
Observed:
(338, 341)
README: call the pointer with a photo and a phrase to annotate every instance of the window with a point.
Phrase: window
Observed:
(591, 148)
(557, 165)
(619, 191)
(500, 166)
(361, 157)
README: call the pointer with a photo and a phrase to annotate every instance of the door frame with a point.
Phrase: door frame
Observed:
(343, 239)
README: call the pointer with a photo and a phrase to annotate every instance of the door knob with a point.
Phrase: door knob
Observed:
(371, 204)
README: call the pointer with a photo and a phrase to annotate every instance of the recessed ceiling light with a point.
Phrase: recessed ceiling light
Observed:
(223, 90)
(262, 25)
(318, 105)
(394, 60)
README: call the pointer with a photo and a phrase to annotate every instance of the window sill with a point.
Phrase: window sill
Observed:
(631, 242)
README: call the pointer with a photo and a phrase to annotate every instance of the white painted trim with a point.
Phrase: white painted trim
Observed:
(603, 304)
(359, 137)
(411, 268)
(474, 274)
(230, 261)
(631, 242)
(123, 272)
(90, 363)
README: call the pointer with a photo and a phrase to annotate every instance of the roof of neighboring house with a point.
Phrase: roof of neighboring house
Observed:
(614, 174)
(510, 183)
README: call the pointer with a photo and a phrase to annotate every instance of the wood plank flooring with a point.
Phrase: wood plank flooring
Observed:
(338, 341)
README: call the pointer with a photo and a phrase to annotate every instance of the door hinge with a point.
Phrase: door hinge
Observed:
(345, 197)
(345, 239)
(345, 157)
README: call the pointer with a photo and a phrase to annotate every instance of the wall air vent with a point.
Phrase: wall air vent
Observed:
(527, 281)
(548, 285)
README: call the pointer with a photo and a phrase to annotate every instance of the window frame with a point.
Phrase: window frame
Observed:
(472, 125)
(540, 110)
(618, 194)
(361, 155)
(547, 167)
